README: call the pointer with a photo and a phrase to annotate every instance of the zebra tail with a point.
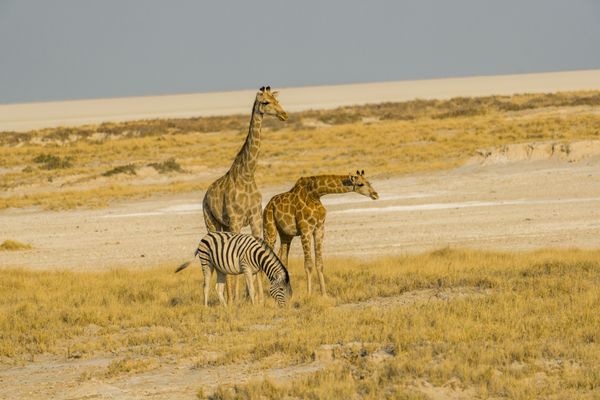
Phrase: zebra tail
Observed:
(183, 266)
(187, 263)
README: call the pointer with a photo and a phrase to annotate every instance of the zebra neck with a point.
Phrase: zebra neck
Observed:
(274, 269)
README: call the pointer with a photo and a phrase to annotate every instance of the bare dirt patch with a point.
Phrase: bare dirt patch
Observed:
(512, 206)
(419, 297)
(51, 377)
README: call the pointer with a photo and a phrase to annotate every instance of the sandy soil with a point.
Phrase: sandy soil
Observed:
(487, 205)
(23, 117)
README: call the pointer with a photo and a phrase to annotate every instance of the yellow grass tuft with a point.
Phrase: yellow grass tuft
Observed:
(13, 245)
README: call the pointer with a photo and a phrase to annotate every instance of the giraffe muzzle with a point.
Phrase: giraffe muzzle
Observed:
(374, 195)
(283, 116)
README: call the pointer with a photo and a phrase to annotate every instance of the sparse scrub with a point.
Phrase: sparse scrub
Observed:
(50, 161)
(167, 166)
(129, 169)
(13, 245)
(128, 366)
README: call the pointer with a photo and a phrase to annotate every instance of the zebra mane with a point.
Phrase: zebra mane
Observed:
(283, 275)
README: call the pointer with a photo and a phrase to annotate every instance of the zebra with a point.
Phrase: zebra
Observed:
(234, 254)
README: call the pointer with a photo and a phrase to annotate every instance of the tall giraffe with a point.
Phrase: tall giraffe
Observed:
(234, 201)
(300, 212)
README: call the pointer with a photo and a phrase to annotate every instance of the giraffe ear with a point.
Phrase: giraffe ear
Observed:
(275, 93)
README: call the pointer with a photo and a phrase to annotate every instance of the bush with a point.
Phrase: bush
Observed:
(122, 169)
(167, 166)
(50, 161)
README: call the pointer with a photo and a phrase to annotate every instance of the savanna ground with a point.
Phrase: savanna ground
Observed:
(91, 307)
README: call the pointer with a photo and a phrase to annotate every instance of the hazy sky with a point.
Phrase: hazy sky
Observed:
(63, 49)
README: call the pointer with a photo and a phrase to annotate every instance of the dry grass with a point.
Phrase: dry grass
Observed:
(384, 139)
(534, 332)
(13, 245)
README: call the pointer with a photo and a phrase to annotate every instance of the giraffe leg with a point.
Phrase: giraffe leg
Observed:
(256, 228)
(212, 225)
(308, 262)
(269, 226)
(284, 248)
(233, 285)
(318, 236)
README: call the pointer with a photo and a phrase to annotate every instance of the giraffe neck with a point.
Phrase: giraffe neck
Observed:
(321, 185)
(246, 160)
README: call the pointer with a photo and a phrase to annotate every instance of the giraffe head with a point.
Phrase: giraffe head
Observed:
(268, 104)
(361, 185)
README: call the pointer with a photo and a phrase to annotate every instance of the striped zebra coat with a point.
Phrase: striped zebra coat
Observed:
(234, 254)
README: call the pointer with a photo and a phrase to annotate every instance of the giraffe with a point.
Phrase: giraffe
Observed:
(234, 201)
(300, 212)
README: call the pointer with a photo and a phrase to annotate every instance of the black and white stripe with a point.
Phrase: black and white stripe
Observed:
(233, 254)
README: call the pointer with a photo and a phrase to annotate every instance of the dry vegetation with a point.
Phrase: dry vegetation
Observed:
(92, 165)
(527, 326)
(13, 245)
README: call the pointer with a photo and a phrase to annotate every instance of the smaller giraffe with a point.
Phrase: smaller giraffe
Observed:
(300, 212)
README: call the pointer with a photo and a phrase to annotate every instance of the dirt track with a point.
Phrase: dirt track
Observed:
(512, 206)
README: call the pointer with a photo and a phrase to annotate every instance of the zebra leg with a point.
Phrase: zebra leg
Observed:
(308, 262)
(207, 271)
(249, 283)
(221, 278)
(260, 291)
(318, 236)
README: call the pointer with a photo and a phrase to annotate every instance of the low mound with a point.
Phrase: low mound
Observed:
(538, 151)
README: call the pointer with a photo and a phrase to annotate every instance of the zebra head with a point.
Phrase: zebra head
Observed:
(281, 290)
